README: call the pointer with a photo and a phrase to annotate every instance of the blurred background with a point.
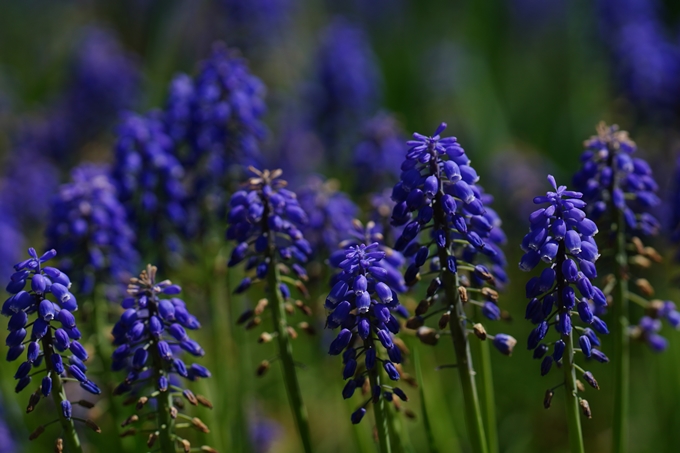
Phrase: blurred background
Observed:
(521, 83)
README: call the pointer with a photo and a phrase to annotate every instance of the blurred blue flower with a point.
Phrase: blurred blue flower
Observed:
(378, 155)
(263, 432)
(255, 23)
(89, 224)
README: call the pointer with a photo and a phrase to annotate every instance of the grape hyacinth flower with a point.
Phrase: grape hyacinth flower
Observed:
(561, 235)
(361, 304)
(330, 212)
(265, 222)
(148, 337)
(149, 179)
(50, 350)
(621, 192)
(89, 225)
(438, 192)
(376, 157)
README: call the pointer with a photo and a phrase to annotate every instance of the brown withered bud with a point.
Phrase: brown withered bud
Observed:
(256, 321)
(547, 399)
(33, 401)
(410, 380)
(396, 404)
(141, 402)
(410, 414)
(203, 401)
(129, 400)
(435, 284)
(505, 315)
(639, 246)
(444, 320)
(490, 294)
(35, 434)
(245, 316)
(398, 342)
(645, 287)
(173, 412)
(414, 322)
(189, 395)
(307, 328)
(585, 408)
(640, 261)
(178, 403)
(579, 386)
(652, 254)
(291, 333)
(121, 389)
(463, 294)
(590, 379)
(261, 305)
(654, 308)
(208, 449)
(186, 446)
(59, 445)
(86, 404)
(199, 425)
(151, 440)
(265, 337)
(128, 432)
(302, 288)
(480, 331)
(262, 368)
(130, 420)
(365, 387)
(427, 335)
(423, 307)
(285, 270)
(303, 308)
(93, 426)
(290, 309)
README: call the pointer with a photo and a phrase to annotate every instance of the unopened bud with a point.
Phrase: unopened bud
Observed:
(590, 379)
(479, 331)
(639, 246)
(199, 425)
(256, 321)
(423, 307)
(303, 308)
(246, 315)
(262, 368)
(579, 386)
(289, 308)
(261, 305)
(35, 434)
(141, 402)
(33, 401)
(291, 332)
(645, 287)
(414, 322)
(654, 308)
(462, 292)
(490, 293)
(652, 254)
(186, 446)
(444, 320)
(547, 399)
(434, 286)
(203, 401)
(410, 414)
(128, 432)
(59, 445)
(86, 404)
(151, 440)
(173, 412)
(640, 261)
(208, 449)
(585, 408)
(189, 395)
(427, 335)
(398, 342)
(265, 337)
(93, 426)
(130, 420)
(307, 328)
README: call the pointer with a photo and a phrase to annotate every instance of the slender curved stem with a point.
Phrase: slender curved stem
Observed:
(166, 423)
(286, 355)
(432, 446)
(621, 357)
(380, 414)
(70, 435)
(486, 393)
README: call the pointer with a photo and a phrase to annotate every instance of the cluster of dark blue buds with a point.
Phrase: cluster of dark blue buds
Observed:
(361, 304)
(149, 179)
(149, 338)
(620, 189)
(562, 236)
(438, 190)
(89, 225)
(52, 348)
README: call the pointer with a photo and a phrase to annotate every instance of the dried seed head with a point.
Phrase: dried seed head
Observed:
(199, 425)
(579, 386)
(547, 399)
(585, 408)
(427, 335)
(173, 412)
(189, 395)
(463, 294)
(291, 332)
(262, 368)
(490, 293)
(256, 321)
(86, 404)
(261, 305)
(151, 440)
(479, 331)
(93, 426)
(59, 445)
(186, 446)
(590, 379)
(423, 307)
(128, 432)
(203, 401)
(444, 320)
(38, 431)
(307, 328)
(645, 287)
(130, 420)
(414, 322)
(141, 402)
(265, 337)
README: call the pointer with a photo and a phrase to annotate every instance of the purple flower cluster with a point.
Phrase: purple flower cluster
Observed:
(265, 219)
(561, 235)
(149, 179)
(361, 304)
(89, 224)
(151, 333)
(49, 299)
(610, 174)
(330, 212)
(378, 154)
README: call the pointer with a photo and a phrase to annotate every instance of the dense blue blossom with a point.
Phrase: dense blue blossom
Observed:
(53, 340)
(149, 179)
(330, 212)
(12, 239)
(254, 23)
(7, 442)
(346, 86)
(89, 224)
(378, 155)
(149, 338)
(362, 304)
(561, 235)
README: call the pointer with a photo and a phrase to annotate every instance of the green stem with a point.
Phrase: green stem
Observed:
(573, 413)
(432, 446)
(379, 410)
(621, 359)
(286, 353)
(70, 436)
(486, 393)
(166, 424)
